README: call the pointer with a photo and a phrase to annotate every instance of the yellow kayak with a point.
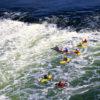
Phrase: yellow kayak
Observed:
(45, 80)
(65, 62)
(82, 45)
(78, 53)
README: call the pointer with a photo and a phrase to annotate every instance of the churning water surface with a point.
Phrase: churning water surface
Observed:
(28, 31)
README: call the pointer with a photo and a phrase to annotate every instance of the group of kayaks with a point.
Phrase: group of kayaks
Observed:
(61, 84)
(65, 60)
(46, 78)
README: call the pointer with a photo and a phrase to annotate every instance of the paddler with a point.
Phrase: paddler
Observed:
(65, 60)
(83, 44)
(65, 51)
(84, 41)
(76, 51)
(61, 84)
(46, 78)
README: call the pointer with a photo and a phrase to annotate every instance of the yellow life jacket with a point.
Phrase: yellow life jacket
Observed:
(77, 52)
(49, 77)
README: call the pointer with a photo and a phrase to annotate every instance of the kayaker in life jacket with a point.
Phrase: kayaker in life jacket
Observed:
(83, 44)
(65, 51)
(76, 51)
(46, 78)
(84, 41)
(65, 60)
(61, 84)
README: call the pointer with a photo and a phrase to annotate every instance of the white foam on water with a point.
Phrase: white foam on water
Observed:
(3, 97)
(18, 42)
(23, 44)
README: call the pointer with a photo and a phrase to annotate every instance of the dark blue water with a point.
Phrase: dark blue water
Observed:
(77, 14)
(48, 6)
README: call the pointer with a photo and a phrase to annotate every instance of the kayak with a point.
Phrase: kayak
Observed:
(82, 45)
(78, 53)
(43, 80)
(65, 62)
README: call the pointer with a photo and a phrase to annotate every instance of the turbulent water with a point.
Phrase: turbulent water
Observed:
(26, 38)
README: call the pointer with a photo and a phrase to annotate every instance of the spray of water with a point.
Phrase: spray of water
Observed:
(26, 54)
